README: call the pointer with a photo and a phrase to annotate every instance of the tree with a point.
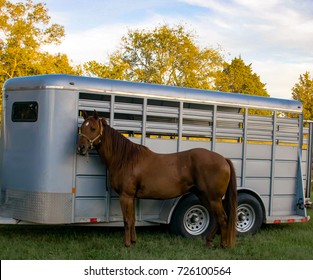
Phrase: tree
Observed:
(116, 69)
(238, 77)
(24, 29)
(164, 55)
(303, 92)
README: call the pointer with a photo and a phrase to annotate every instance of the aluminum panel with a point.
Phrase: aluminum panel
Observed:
(259, 185)
(91, 208)
(90, 165)
(287, 169)
(187, 145)
(91, 186)
(41, 153)
(45, 208)
(284, 205)
(285, 186)
(162, 145)
(150, 208)
(258, 168)
(229, 150)
(258, 151)
(115, 210)
(287, 153)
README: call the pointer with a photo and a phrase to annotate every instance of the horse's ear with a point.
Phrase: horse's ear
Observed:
(85, 115)
(95, 114)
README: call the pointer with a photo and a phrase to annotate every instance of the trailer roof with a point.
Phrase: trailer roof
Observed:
(99, 85)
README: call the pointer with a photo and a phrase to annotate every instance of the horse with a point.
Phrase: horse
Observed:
(137, 172)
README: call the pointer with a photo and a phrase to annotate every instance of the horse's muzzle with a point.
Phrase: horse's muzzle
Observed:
(82, 150)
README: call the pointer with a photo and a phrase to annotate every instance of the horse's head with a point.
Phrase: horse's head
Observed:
(90, 133)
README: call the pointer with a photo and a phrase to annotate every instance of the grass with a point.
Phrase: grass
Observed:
(273, 242)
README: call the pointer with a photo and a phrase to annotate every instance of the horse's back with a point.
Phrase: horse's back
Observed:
(197, 158)
(207, 157)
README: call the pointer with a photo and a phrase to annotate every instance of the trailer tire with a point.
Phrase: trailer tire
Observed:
(190, 218)
(249, 214)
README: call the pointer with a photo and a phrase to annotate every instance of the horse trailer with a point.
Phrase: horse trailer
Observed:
(44, 181)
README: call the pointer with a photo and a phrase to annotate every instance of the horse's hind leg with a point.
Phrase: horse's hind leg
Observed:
(221, 220)
(213, 225)
(128, 210)
(215, 207)
(211, 234)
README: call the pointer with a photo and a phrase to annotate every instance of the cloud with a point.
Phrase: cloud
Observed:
(280, 77)
(259, 25)
(98, 42)
(91, 44)
(276, 36)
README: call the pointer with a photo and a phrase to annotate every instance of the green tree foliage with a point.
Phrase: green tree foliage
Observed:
(116, 69)
(303, 92)
(24, 29)
(239, 77)
(164, 55)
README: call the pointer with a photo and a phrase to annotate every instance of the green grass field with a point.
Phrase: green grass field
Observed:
(277, 242)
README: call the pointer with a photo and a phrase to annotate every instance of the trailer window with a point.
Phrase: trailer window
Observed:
(24, 111)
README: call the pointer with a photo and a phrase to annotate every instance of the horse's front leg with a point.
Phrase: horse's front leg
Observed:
(128, 210)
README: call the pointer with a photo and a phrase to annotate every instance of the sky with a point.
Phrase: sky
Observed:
(274, 36)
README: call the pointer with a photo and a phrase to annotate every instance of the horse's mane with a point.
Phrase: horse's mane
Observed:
(123, 151)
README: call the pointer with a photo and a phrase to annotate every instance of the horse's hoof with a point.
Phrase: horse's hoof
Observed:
(224, 246)
(210, 245)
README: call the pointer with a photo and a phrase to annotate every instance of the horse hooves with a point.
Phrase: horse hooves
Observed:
(223, 246)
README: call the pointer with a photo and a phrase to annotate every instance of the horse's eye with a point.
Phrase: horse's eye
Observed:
(92, 129)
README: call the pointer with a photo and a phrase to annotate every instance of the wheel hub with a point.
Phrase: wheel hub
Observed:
(242, 217)
(245, 218)
(196, 220)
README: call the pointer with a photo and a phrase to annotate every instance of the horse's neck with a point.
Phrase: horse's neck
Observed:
(113, 143)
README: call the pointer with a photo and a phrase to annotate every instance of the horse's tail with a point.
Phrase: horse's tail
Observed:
(230, 205)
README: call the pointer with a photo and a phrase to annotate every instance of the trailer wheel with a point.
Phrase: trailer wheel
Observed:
(249, 214)
(190, 218)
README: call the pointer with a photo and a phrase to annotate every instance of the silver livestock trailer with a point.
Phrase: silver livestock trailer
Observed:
(44, 181)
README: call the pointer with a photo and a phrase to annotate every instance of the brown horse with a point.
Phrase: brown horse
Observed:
(136, 171)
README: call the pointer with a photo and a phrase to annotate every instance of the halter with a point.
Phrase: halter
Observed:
(91, 141)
